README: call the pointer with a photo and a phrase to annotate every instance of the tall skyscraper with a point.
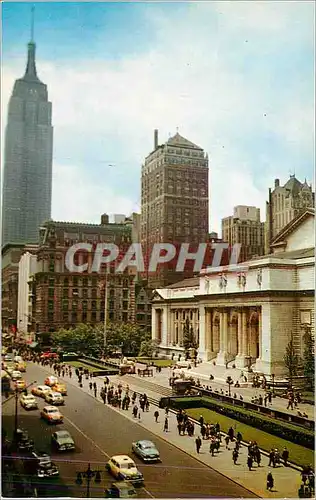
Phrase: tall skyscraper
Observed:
(285, 203)
(27, 178)
(245, 228)
(174, 200)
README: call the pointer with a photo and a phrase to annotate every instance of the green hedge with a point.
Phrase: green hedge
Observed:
(285, 430)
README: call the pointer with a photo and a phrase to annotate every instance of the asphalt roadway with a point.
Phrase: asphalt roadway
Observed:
(100, 432)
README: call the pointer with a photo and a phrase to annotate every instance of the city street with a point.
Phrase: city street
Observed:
(100, 432)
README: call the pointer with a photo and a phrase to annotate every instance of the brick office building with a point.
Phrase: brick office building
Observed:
(174, 201)
(62, 299)
(10, 254)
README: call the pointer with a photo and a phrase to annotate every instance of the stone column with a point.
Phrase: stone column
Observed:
(169, 326)
(202, 333)
(154, 331)
(222, 356)
(259, 364)
(164, 336)
(240, 360)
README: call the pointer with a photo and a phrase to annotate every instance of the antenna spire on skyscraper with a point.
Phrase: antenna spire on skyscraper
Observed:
(32, 23)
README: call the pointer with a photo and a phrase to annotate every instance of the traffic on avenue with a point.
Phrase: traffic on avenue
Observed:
(88, 448)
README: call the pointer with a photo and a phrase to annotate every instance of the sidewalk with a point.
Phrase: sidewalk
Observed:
(247, 393)
(286, 479)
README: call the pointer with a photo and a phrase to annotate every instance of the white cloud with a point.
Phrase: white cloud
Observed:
(76, 198)
(107, 111)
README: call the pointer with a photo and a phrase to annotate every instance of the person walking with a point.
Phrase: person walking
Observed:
(258, 457)
(270, 481)
(271, 458)
(198, 444)
(166, 425)
(285, 456)
(227, 439)
(103, 395)
(249, 462)
(235, 456)
(203, 431)
(231, 433)
(90, 386)
(156, 415)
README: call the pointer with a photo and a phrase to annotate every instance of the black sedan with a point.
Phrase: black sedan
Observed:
(41, 465)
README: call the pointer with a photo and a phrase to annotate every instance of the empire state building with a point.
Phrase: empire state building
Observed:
(27, 177)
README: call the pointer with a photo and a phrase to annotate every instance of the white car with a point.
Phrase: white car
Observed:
(28, 402)
(40, 390)
(54, 398)
(16, 375)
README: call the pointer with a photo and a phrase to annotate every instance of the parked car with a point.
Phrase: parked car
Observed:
(41, 465)
(52, 415)
(28, 401)
(122, 467)
(54, 398)
(122, 489)
(146, 450)
(63, 441)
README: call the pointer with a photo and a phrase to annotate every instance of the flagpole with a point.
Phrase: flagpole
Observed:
(105, 310)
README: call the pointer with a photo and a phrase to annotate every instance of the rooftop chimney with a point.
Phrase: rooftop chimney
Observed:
(276, 183)
(156, 138)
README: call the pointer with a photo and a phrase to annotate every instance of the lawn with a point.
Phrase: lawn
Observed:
(78, 364)
(164, 363)
(298, 454)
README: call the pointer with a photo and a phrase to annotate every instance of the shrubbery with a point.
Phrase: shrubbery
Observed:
(285, 430)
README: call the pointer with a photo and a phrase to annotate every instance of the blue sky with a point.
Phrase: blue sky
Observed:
(235, 77)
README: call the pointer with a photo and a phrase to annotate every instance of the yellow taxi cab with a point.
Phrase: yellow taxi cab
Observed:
(40, 390)
(51, 380)
(20, 384)
(123, 468)
(21, 366)
(51, 414)
(61, 388)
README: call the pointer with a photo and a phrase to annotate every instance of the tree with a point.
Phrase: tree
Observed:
(309, 356)
(291, 359)
(89, 340)
(189, 340)
(148, 348)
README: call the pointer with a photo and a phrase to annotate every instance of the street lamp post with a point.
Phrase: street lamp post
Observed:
(89, 474)
(16, 411)
(229, 381)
